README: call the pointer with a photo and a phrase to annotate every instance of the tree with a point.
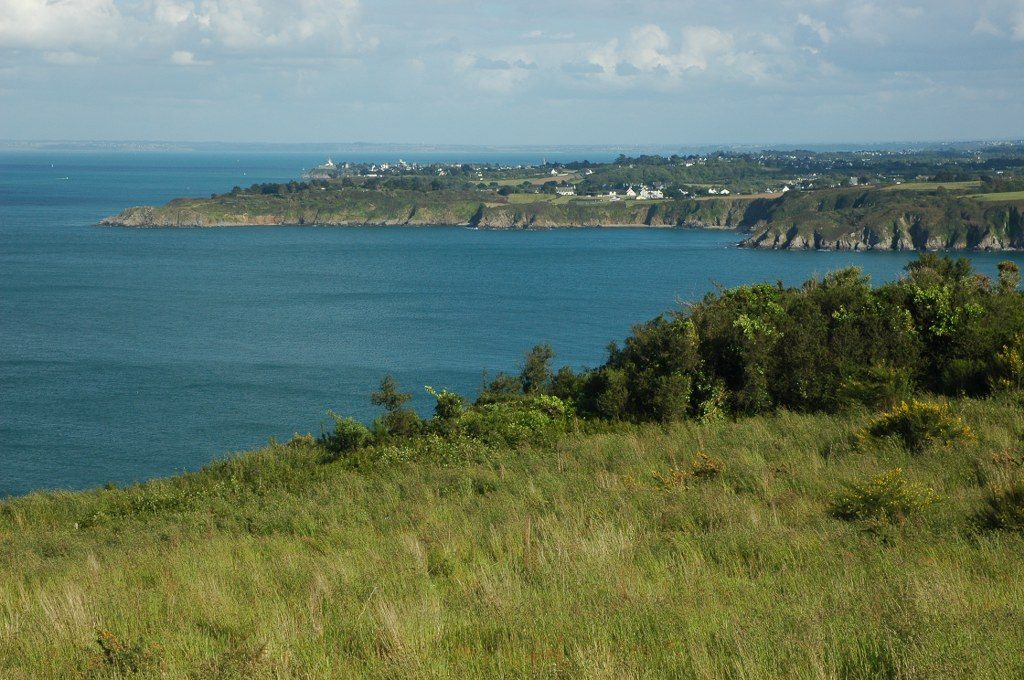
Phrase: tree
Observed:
(536, 373)
(397, 420)
(388, 395)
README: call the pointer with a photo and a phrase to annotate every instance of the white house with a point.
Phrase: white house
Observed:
(565, 191)
(724, 192)
(630, 193)
(713, 192)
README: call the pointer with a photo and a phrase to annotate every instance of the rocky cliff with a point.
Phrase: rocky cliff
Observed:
(351, 206)
(884, 220)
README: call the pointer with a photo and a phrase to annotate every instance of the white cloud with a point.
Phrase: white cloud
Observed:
(649, 54)
(186, 58)
(984, 26)
(871, 22)
(819, 27)
(173, 12)
(58, 24)
(261, 24)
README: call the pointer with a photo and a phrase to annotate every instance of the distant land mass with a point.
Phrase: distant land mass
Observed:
(969, 198)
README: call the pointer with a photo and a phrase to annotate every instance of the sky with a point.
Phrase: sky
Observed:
(512, 72)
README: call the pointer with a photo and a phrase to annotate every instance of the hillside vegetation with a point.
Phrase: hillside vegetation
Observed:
(777, 482)
(870, 219)
(333, 204)
(831, 219)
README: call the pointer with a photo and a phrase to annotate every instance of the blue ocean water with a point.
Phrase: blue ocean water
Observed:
(128, 354)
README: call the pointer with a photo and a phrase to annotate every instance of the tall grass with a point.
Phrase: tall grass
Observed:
(594, 555)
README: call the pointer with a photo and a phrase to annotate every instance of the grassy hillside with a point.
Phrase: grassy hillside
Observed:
(866, 219)
(600, 555)
(338, 205)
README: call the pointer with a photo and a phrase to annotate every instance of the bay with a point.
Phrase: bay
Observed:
(129, 354)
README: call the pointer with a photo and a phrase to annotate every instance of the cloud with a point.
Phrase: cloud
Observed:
(819, 27)
(649, 54)
(544, 35)
(871, 22)
(984, 26)
(67, 58)
(491, 64)
(582, 67)
(58, 25)
(186, 58)
(173, 12)
(624, 68)
(261, 24)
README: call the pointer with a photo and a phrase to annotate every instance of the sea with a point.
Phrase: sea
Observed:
(127, 354)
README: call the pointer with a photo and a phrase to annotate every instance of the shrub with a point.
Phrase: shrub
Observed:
(879, 386)
(349, 434)
(919, 424)
(397, 420)
(1008, 367)
(526, 419)
(1004, 508)
(449, 404)
(704, 466)
(889, 497)
(121, 656)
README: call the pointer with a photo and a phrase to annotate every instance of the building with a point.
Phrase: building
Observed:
(565, 191)
(630, 193)
(649, 194)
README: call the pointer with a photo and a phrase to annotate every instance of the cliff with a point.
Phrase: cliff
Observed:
(350, 206)
(873, 219)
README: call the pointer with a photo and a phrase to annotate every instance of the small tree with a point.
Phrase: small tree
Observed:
(388, 395)
(396, 420)
(536, 373)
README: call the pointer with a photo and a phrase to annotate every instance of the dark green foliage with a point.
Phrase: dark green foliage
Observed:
(824, 345)
(536, 373)
(397, 420)
(349, 434)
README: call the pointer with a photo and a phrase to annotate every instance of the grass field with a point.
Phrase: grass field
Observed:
(611, 555)
(932, 186)
(1004, 196)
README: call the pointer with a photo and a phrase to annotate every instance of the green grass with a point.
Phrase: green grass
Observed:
(1002, 196)
(932, 186)
(622, 554)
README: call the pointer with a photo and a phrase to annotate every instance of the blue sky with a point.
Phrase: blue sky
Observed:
(529, 72)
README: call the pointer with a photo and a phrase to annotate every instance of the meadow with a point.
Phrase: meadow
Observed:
(616, 554)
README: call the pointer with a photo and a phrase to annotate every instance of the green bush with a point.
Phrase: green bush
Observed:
(918, 424)
(1008, 367)
(888, 497)
(879, 386)
(349, 434)
(526, 419)
(1004, 508)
